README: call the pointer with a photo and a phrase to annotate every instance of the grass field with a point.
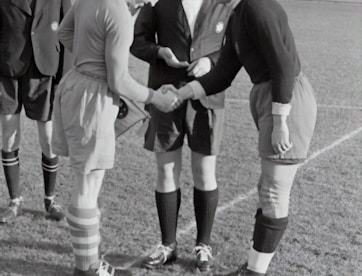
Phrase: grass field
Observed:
(325, 231)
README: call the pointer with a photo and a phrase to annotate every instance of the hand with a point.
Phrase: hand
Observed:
(167, 87)
(135, 5)
(140, 3)
(143, 2)
(280, 134)
(199, 67)
(169, 57)
(165, 100)
(185, 92)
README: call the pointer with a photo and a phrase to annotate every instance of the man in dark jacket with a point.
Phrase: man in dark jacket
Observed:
(29, 68)
(182, 40)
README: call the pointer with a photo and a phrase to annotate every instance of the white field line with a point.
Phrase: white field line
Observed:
(333, 145)
(253, 191)
(245, 101)
(242, 197)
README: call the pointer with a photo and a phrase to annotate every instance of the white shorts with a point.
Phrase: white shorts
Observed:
(301, 120)
(84, 114)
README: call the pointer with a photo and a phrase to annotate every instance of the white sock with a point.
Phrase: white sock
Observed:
(49, 197)
(259, 261)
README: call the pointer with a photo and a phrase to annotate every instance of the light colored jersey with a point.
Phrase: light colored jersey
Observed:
(99, 34)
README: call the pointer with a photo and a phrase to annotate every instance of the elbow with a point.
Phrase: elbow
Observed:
(119, 84)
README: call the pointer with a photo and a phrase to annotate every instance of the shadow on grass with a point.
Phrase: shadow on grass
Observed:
(22, 267)
(187, 265)
(58, 248)
(34, 213)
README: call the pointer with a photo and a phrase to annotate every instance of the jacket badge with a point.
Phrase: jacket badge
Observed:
(219, 27)
(54, 26)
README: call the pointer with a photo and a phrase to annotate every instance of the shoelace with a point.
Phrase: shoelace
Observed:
(54, 206)
(161, 251)
(105, 269)
(14, 204)
(204, 252)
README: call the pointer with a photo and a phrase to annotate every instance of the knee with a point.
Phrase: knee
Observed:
(45, 144)
(167, 179)
(274, 193)
(204, 181)
(84, 197)
(10, 140)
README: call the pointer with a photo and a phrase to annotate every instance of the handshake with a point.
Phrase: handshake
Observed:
(167, 98)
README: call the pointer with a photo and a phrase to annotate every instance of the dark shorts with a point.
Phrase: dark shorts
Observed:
(32, 90)
(301, 120)
(203, 128)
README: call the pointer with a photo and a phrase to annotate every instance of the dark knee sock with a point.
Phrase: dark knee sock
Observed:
(168, 205)
(11, 170)
(268, 232)
(50, 168)
(205, 203)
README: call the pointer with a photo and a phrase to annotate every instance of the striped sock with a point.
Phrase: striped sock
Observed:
(50, 168)
(85, 236)
(11, 166)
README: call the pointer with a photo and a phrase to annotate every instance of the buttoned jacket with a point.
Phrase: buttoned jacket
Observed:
(27, 34)
(166, 25)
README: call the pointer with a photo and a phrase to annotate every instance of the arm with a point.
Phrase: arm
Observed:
(118, 26)
(119, 80)
(267, 32)
(270, 31)
(66, 30)
(220, 76)
(64, 55)
(144, 43)
(225, 70)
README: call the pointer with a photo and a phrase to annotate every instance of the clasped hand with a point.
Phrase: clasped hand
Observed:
(165, 98)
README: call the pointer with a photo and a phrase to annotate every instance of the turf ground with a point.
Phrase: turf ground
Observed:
(325, 231)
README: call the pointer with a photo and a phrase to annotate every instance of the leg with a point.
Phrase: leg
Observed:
(83, 219)
(45, 130)
(168, 193)
(168, 200)
(206, 197)
(271, 220)
(50, 168)
(10, 159)
(11, 141)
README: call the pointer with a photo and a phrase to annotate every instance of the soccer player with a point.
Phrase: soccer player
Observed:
(283, 107)
(99, 34)
(181, 40)
(30, 62)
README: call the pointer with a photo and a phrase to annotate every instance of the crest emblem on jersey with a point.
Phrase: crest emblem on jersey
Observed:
(219, 27)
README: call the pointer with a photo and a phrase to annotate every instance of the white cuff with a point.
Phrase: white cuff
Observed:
(281, 109)
(198, 90)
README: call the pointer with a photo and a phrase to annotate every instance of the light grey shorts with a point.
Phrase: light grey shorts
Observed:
(301, 120)
(84, 114)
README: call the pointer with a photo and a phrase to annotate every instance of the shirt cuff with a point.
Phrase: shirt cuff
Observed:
(281, 109)
(197, 89)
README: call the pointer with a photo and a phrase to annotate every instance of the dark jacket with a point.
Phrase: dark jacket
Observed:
(259, 39)
(167, 24)
(27, 33)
